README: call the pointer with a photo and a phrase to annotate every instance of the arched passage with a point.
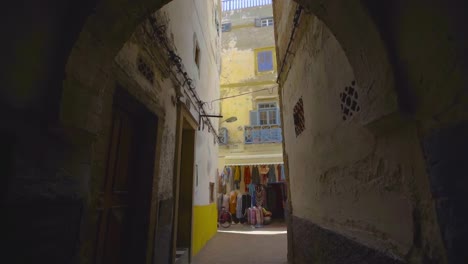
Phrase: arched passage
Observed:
(410, 56)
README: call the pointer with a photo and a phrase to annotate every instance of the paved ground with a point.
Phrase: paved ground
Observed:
(242, 244)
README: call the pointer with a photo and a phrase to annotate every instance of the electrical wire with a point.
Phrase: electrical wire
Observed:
(159, 32)
(270, 91)
(297, 16)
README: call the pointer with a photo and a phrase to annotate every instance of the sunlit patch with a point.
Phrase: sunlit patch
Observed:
(256, 232)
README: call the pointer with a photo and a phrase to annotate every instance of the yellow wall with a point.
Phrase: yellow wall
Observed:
(204, 225)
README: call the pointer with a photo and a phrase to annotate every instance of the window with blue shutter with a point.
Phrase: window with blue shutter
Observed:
(268, 114)
(265, 61)
(225, 27)
(223, 136)
(253, 118)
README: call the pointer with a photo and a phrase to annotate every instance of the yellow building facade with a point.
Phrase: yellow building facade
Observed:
(249, 90)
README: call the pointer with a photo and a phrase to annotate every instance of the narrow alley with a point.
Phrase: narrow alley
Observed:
(132, 129)
(247, 245)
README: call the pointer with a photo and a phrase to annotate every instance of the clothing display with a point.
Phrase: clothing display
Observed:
(250, 192)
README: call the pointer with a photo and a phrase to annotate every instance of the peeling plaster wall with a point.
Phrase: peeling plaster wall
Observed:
(190, 23)
(239, 76)
(348, 180)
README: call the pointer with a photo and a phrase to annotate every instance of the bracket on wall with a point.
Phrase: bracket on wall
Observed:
(201, 116)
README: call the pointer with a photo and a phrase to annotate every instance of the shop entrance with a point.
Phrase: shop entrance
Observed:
(246, 190)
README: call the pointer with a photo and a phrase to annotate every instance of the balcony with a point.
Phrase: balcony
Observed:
(262, 134)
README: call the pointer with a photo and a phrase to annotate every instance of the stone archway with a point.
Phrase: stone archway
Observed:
(402, 51)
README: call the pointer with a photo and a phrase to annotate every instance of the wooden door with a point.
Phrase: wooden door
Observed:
(115, 195)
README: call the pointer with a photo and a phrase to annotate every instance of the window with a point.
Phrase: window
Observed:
(264, 22)
(265, 61)
(226, 27)
(223, 136)
(264, 125)
(266, 114)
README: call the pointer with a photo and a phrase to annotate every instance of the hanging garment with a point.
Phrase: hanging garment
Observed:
(239, 213)
(231, 178)
(271, 173)
(247, 177)
(255, 175)
(258, 216)
(259, 195)
(263, 169)
(246, 202)
(232, 202)
(226, 201)
(237, 177)
(283, 176)
(278, 168)
(253, 216)
(252, 194)
(219, 202)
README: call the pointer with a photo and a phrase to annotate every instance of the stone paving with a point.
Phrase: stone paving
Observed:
(244, 244)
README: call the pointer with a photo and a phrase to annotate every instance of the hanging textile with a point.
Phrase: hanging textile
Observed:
(232, 202)
(247, 177)
(252, 193)
(259, 195)
(255, 175)
(271, 173)
(246, 202)
(226, 201)
(264, 174)
(219, 202)
(283, 175)
(237, 177)
(239, 213)
(231, 178)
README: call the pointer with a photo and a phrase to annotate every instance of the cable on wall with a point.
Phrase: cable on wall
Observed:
(159, 33)
(297, 16)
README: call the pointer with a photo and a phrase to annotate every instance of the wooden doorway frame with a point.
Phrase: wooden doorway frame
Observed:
(185, 121)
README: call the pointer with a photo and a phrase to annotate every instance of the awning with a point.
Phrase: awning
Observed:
(262, 159)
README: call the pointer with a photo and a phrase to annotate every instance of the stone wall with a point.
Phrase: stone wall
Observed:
(356, 171)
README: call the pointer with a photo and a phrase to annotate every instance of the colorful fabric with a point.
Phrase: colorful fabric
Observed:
(255, 175)
(239, 213)
(226, 201)
(283, 175)
(233, 202)
(247, 178)
(271, 174)
(252, 194)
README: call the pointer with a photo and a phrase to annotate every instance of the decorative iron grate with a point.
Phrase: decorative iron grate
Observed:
(145, 70)
(299, 119)
(349, 101)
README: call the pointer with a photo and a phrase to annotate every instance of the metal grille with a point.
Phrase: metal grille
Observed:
(228, 5)
(298, 115)
(349, 101)
(145, 70)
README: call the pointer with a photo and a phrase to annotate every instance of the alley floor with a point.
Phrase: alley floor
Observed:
(245, 244)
